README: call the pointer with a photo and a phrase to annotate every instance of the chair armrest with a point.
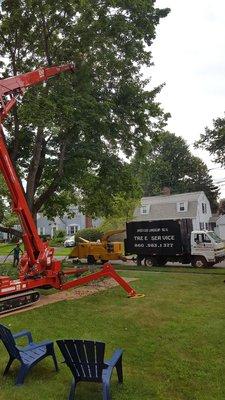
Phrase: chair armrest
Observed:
(46, 343)
(110, 364)
(23, 333)
(115, 358)
(32, 346)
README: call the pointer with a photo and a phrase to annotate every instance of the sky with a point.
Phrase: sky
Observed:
(188, 55)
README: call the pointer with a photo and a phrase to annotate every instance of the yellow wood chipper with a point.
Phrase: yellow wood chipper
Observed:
(102, 250)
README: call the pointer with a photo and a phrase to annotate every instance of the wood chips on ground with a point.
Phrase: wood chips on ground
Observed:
(73, 294)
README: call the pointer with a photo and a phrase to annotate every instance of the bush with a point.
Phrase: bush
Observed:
(45, 238)
(56, 242)
(58, 238)
(60, 234)
(91, 234)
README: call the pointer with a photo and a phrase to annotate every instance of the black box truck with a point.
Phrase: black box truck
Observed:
(157, 242)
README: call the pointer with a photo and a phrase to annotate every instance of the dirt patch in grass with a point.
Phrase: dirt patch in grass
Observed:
(73, 294)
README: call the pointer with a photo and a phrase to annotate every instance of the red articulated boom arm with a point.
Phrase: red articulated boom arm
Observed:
(17, 84)
(38, 255)
(38, 267)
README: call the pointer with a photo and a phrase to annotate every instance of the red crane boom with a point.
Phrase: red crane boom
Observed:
(16, 85)
(38, 254)
(38, 267)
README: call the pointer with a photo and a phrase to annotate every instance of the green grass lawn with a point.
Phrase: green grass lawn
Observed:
(174, 339)
(6, 248)
(63, 251)
(59, 251)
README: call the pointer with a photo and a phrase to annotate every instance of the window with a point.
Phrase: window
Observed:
(182, 207)
(204, 208)
(54, 229)
(72, 229)
(145, 208)
(202, 238)
(206, 239)
(215, 237)
(41, 230)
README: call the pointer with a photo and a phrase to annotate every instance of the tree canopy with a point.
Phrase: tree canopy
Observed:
(67, 137)
(169, 163)
(213, 140)
(221, 208)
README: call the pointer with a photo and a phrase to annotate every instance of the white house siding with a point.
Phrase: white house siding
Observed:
(3, 236)
(167, 207)
(47, 227)
(220, 231)
(202, 218)
(220, 227)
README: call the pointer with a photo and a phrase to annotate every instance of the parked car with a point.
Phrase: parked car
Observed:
(69, 242)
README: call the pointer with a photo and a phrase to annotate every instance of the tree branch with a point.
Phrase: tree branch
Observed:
(56, 180)
(46, 35)
(15, 149)
(41, 165)
(11, 231)
(33, 168)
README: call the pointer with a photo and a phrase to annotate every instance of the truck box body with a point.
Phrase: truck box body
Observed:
(165, 237)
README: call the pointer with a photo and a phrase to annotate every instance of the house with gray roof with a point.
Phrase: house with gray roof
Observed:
(69, 223)
(193, 205)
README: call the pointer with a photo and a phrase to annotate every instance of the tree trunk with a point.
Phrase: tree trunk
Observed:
(11, 231)
(50, 190)
(34, 167)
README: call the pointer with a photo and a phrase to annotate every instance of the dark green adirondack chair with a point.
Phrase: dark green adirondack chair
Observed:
(86, 361)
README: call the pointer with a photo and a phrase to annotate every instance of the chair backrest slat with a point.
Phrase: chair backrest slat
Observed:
(82, 357)
(85, 358)
(92, 359)
(9, 342)
(100, 352)
(69, 351)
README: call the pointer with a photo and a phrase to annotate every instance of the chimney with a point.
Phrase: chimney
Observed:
(88, 222)
(166, 191)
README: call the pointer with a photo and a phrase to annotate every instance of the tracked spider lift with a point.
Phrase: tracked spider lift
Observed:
(38, 268)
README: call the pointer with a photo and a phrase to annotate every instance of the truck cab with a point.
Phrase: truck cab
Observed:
(206, 248)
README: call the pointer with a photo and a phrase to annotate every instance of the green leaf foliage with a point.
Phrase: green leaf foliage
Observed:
(213, 140)
(69, 137)
(6, 217)
(122, 212)
(168, 162)
(91, 234)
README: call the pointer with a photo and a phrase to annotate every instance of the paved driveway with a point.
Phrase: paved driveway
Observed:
(10, 259)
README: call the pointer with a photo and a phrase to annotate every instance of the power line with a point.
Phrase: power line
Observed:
(211, 169)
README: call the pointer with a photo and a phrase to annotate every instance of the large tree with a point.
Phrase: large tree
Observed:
(67, 137)
(169, 162)
(213, 140)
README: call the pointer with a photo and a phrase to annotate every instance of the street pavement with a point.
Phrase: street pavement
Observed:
(10, 259)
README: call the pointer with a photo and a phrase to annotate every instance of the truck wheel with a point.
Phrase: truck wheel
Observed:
(149, 262)
(199, 262)
(152, 262)
(91, 260)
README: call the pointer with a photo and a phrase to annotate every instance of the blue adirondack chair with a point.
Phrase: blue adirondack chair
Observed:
(29, 355)
(86, 361)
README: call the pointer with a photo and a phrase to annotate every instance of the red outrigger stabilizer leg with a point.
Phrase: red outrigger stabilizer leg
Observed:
(106, 271)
